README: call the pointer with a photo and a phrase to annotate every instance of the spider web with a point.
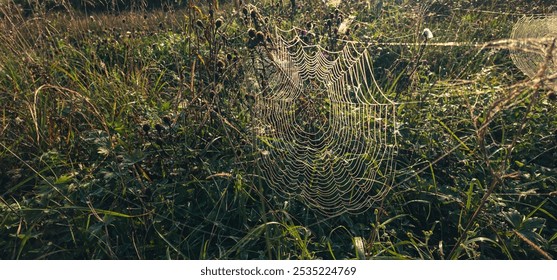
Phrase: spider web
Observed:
(325, 130)
(533, 53)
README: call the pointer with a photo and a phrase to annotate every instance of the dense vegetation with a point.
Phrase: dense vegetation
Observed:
(126, 133)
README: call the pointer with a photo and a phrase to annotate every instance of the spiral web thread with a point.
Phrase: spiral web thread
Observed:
(325, 130)
(532, 56)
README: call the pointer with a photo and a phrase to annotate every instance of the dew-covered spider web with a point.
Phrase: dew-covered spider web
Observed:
(325, 130)
(533, 54)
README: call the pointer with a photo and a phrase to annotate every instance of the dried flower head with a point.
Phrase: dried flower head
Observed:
(218, 23)
(199, 23)
(220, 64)
(159, 127)
(260, 36)
(146, 127)
(251, 33)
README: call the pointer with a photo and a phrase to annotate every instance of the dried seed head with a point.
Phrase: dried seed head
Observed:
(146, 127)
(220, 64)
(159, 127)
(199, 23)
(218, 23)
(260, 36)
(251, 32)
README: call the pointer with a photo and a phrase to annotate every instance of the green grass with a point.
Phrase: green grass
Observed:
(128, 135)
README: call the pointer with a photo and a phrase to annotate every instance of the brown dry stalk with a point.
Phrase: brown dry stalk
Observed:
(531, 244)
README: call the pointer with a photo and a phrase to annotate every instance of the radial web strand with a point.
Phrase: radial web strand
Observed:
(325, 130)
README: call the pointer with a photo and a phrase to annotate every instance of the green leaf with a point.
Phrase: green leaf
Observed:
(63, 179)
(513, 217)
(470, 192)
(533, 224)
(359, 246)
(534, 237)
